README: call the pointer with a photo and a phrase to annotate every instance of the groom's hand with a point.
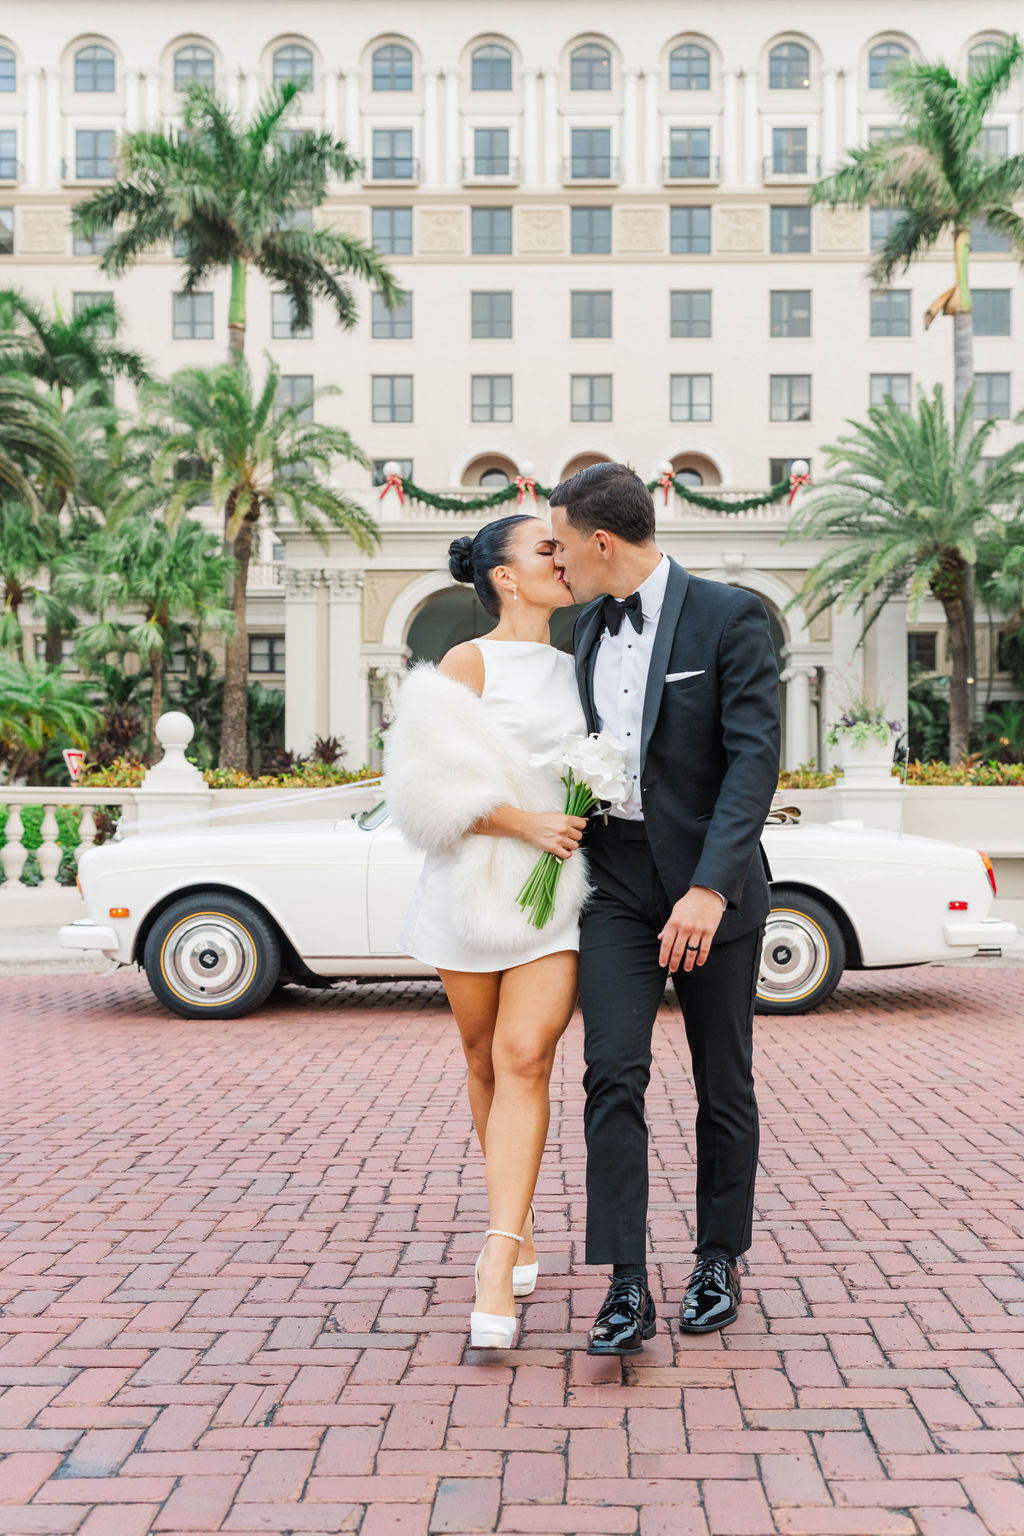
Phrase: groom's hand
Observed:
(686, 937)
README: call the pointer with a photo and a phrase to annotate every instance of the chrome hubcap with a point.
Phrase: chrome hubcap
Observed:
(794, 956)
(209, 959)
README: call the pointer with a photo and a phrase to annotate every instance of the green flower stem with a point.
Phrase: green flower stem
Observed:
(541, 889)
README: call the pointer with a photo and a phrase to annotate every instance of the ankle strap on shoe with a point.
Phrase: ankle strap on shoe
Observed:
(517, 1237)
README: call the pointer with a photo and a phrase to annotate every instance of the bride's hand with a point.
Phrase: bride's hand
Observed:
(553, 832)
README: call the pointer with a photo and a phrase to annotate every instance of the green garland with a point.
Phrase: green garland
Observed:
(510, 492)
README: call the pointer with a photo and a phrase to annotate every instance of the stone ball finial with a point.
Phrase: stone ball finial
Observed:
(663, 467)
(799, 467)
(392, 467)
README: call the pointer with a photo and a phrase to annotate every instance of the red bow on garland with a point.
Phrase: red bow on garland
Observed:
(665, 481)
(795, 482)
(525, 483)
(393, 483)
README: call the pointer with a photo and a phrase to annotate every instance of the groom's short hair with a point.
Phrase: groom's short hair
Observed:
(609, 496)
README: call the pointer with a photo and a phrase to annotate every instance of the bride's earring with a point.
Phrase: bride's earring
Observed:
(515, 594)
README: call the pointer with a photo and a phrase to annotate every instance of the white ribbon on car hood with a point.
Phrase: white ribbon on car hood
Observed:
(247, 808)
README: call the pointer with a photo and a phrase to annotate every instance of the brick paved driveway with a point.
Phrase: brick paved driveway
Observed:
(235, 1271)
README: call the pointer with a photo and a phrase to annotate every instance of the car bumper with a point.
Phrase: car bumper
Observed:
(980, 933)
(85, 934)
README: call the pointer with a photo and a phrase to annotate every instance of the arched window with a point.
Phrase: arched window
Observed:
(789, 68)
(392, 68)
(294, 64)
(879, 60)
(94, 69)
(689, 476)
(981, 56)
(590, 68)
(192, 64)
(494, 479)
(689, 68)
(8, 71)
(492, 68)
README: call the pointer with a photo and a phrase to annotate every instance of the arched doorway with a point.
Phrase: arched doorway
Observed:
(489, 471)
(584, 461)
(696, 469)
(457, 614)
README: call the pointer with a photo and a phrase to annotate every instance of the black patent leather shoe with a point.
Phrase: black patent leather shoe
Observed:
(712, 1296)
(625, 1320)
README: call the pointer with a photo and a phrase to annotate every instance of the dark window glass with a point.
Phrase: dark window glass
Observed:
(988, 240)
(392, 396)
(392, 154)
(391, 324)
(991, 311)
(392, 68)
(883, 221)
(491, 231)
(293, 64)
(282, 320)
(193, 317)
(590, 68)
(492, 397)
(690, 312)
(490, 152)
(392, 231)
(689, 68)
(881, 57)
(789, 151)
(94, 69)
(791, 312)
(491, 315)
(781, 469)
(689, 152)
(991, 396)
(789, 68)
(922, 648)
(6, 231)
(380, 473)
(492, 68)
(591, 231)
(94, 154)
(266, 653)
(192, 64)
(890, 312)
(591, 395)
(8, 71)
(790, 397)
(893, 386)
(690, 231)
(690, 397)
(791, 230)
(295, 392)
(8, 154)
(91, 245)
(591, 314)
(591, 152)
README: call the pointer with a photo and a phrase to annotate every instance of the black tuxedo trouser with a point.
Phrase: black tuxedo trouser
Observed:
(622, 986)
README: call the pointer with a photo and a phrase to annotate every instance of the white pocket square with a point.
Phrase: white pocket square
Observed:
(674, 677)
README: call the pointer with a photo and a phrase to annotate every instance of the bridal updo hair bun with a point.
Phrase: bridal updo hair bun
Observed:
(460, 558)
(475, 559)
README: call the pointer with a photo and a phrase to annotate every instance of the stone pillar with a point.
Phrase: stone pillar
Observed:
(829, 123)
(730, 131)
(429, 144)
(353, 137)
(54, 153)
(549, 131)
(650, 170)
(348, 704)
(632, 86)
(452, 145)
(851, 115)
(529, 169)
(33, 137)
(149, 88)
(800, 745)
(751, 124)
(332, 104)
(305, 678)
(173, 786)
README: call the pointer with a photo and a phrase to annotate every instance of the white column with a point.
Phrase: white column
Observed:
(32, 140)
(452, 145)
(549, 132)
(428, 145)
(131, 100)
(751, 127)
(54, 130)
(529, 169)
(348, 703)
(799, 745)
(729, 136)
(651, 142)
(851, 116)
(305, 660)
(632, 85)
(149, 84)
(332, 106)
(829, 123)
(353, 137)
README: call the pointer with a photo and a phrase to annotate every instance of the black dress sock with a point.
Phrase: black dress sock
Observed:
(630, 1272)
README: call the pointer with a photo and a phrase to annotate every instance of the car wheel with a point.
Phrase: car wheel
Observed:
(212, 955)
(803, 955)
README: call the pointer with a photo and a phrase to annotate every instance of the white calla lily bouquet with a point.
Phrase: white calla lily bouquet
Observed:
(595, 771)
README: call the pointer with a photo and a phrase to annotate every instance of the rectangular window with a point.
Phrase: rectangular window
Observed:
(492, 397)
(690, 397)
(491, 231)
(995, 141)
(392, 231)
(890, 312)
(591, 314)
(790, 397)
(591, 231)
(82, 301)
(690, 231)
(67, 652)
(6, 231)
(883, 220)
(491, 315)
(989, 241)
(176, 659)
(380, 473)
(266, 653)
(296, 218)
(789, 151)
(193, 317)
(282, 320)
(922, 648)
(8, 154)
(991, 311)
(391, 324)
(94, 154)
(690, 312)
(295, 392)
(392, 154)
(591, 152)
(781, 469)
(791, 230)
(490, 152)
(791, 312)
(880, 133)
(689, 152)
(392, 396)
(991, 396)
(591, 397)
(894, 386)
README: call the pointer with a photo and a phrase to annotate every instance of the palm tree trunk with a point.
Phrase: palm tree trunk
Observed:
(963, 378)
(236, 311)
(234, 722)
(53, 651)
(156, 703)
(959, 719)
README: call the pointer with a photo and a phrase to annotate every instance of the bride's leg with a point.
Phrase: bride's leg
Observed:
(535, 1004)
(473, 996)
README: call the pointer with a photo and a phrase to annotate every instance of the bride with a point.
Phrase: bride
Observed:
(461, 787)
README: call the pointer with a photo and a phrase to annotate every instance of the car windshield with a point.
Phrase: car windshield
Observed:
(370, 820)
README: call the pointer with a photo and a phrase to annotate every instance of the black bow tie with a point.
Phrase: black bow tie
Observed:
(614, 609)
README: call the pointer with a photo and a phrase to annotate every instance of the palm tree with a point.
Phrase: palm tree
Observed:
(36, 704)
(209, 435)
(233, 194)
(32, 443)
(169, 573)
(22, 552)
(65, 354)
(906, 511)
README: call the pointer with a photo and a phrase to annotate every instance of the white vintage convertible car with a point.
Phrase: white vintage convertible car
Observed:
(219, 917)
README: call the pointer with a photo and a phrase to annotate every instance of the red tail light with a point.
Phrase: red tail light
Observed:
(958, 906)
(989, 871)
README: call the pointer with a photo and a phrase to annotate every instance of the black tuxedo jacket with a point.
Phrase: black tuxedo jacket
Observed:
(709, 745)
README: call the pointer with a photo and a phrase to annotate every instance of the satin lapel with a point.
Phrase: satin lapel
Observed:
(586, 653)
(671, 608)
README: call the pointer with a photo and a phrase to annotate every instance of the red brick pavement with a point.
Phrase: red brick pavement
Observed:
(235, 1270)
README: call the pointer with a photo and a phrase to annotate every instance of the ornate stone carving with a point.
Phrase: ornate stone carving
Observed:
(300, 585)
(540, 230)
(344, 586)
(641, 229)
(841, 229)
(347, 221)
(380, 590)
(441, 231)
(42, 231)
(741, 229)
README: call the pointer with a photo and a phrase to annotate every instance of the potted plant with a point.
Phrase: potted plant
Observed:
(863, 739)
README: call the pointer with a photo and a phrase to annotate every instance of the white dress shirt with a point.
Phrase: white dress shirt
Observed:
(620, 683)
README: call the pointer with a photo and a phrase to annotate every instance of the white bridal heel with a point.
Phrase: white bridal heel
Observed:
(491, 1330)
(524, 1276)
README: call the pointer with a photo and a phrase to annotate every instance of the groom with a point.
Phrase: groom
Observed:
(681, 671)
